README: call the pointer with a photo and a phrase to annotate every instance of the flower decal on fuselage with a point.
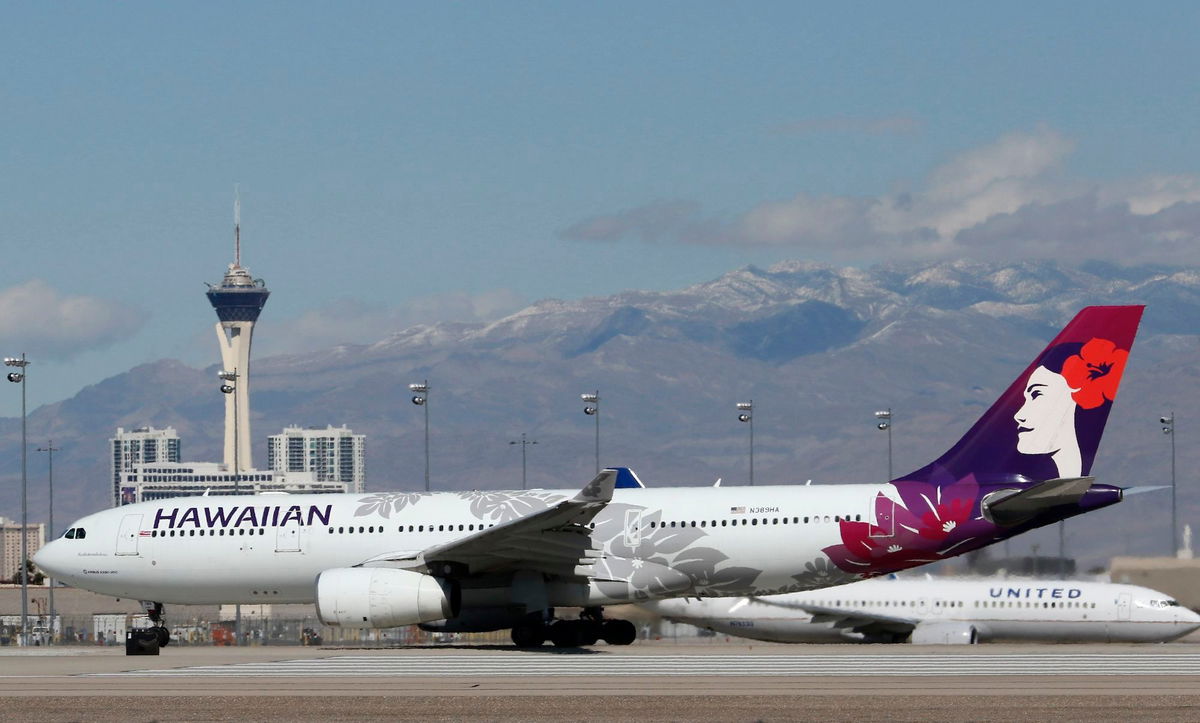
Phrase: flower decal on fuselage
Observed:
(385, 503)
(930, 522)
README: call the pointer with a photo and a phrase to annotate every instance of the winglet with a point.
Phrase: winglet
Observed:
(599, 489)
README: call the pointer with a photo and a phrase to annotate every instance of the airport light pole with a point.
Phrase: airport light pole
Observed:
(524, 444)
(1168, 428)
(746, 414)
(229, 385)
(591, 408)
(18, 377)
(885, 425)
(50, 449)
(420, 398)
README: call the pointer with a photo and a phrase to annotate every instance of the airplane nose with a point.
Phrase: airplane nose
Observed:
(48, 558)
(1188, 618)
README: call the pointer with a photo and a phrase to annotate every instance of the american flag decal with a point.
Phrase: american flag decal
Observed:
(737, 510)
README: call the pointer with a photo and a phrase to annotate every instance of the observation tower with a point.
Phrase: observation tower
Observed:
(238, 300)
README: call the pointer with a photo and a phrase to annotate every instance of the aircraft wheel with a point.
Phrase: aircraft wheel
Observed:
(566, 634)
(164, 636)
(529, 635)
(619, 632)
(141, 641)
(589, 632)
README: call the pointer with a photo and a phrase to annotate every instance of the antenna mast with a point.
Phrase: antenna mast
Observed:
(237, 227)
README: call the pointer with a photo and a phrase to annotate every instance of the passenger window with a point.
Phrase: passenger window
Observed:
(724, 522)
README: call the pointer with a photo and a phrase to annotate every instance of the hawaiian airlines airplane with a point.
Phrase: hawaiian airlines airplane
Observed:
(485, 560)
(944, 611)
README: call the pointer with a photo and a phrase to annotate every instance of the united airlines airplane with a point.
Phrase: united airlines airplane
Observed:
(485, 560)
(944, 611)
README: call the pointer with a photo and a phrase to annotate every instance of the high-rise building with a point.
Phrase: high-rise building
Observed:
(10, 545)
(332, 454)
(165, 480)
(238, 300)
(144, 445)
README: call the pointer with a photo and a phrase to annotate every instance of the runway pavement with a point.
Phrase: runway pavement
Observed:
(522, 664)
(645, 681)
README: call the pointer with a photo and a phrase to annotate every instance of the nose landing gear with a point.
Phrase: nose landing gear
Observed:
(147, 641)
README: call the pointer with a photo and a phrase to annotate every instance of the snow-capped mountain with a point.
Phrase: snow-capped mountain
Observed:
(817, 348)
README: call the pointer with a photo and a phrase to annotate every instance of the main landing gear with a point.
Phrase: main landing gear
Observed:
(588, 629)
(147, 641)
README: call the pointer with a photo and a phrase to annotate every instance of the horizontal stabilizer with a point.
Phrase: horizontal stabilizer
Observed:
(1012, 507)
(1141, 489)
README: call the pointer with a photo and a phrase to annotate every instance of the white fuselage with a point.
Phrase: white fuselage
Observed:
(1000, 609)
(271, 547)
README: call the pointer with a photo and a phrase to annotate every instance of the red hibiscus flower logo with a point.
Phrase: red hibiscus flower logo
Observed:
(1095, 372)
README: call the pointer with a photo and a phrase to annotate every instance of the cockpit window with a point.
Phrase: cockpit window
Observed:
(80, 533)
(70, 534)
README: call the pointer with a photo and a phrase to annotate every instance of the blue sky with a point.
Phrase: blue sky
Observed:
(412, 162)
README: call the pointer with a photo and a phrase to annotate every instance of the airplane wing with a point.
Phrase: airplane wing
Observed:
(555, 540)
(853, 620)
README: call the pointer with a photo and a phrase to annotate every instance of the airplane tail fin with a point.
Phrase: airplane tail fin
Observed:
(1048, 423)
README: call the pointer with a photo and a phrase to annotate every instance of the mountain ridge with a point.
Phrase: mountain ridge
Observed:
(817, 347)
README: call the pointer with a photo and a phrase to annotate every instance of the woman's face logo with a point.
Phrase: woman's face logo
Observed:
(1046, 422)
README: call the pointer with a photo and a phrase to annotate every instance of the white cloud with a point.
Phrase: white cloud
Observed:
(348, 321)
(38, 319)
(1007, 197)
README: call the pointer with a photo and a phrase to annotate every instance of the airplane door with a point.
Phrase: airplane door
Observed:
(1123, 602)
(633, 529)
(883, 512)
(287, 539)
(127, 536)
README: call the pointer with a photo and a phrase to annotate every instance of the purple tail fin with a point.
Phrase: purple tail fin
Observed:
(1048, 423)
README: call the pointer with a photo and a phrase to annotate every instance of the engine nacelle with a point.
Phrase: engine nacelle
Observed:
(381, 597)
(947, 633)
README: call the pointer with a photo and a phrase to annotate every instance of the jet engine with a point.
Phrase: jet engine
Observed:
(944, 633)
(380, 597)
